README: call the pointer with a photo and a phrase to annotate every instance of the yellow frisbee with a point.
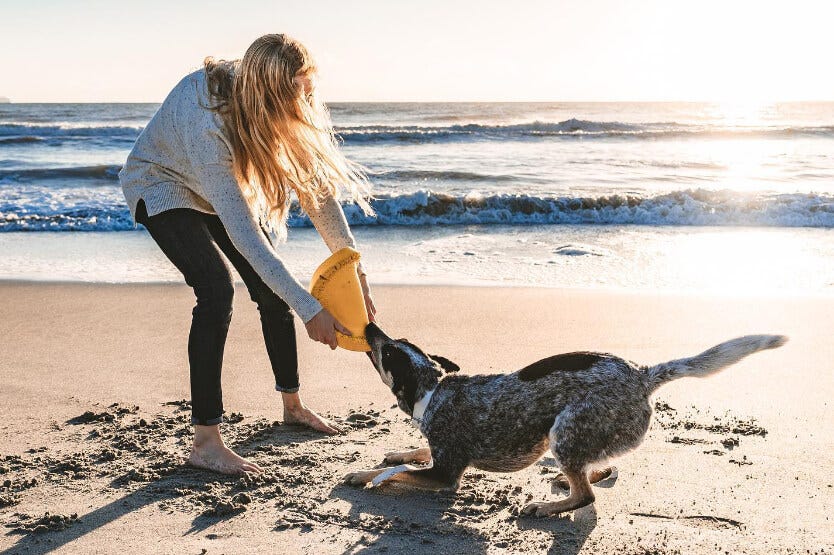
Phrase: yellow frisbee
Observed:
(336, 285)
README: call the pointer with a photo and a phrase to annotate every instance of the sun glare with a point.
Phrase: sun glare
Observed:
(744, 161)
(740, 261)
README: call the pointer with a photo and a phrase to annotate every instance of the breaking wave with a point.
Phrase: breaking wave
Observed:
(692, 207)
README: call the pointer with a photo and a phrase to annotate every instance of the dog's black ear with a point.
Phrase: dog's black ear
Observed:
(445, 363)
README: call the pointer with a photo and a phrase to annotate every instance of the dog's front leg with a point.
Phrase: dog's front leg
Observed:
(432, 479)
(362, 477)
(447, 467)
(421, 455)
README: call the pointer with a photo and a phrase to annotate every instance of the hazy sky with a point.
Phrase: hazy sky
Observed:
(373, 50)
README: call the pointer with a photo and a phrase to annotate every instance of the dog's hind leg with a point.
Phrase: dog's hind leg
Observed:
(580, 495)
(573, 461)
(584, 434)
(421, 455)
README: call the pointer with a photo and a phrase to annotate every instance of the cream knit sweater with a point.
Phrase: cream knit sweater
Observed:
(182, 159)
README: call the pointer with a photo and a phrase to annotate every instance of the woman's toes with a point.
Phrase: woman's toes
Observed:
(221, 459)
(250, 467)
(331, 428)
(326, 429)
(308, 418)
(324, 425)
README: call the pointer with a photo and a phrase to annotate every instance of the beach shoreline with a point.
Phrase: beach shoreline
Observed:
(117, 351)
(676, 260)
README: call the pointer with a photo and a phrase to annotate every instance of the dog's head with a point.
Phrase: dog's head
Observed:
(404, 367)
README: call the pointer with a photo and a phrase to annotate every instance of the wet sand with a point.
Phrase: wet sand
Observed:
(94, 429)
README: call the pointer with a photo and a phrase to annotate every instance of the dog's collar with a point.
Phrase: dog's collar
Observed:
(420, 408)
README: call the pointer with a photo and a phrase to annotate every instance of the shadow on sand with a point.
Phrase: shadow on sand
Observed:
(422, 522)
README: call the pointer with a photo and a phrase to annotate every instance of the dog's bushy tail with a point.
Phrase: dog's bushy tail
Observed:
(712, 360)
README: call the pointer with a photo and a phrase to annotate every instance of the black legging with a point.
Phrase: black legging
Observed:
(196, 242)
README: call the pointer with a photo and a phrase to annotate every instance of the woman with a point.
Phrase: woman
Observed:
(209, 177)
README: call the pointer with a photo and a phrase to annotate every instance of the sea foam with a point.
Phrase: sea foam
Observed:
(694, 207)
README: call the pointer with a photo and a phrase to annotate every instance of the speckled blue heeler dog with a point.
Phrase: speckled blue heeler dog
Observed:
(586, 407)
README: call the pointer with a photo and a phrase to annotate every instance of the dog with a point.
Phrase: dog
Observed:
(586, 407)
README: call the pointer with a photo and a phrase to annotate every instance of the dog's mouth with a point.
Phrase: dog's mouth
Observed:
(372, 356)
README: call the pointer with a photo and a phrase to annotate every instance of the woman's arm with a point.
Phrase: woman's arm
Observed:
(329, 220)
(332, 225)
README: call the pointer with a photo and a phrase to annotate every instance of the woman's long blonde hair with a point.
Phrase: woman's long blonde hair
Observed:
(282, 139)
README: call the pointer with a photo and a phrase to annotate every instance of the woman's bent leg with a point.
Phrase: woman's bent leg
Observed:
(186, 241)
(184, 238)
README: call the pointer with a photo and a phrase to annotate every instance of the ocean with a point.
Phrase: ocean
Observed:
(681, 197)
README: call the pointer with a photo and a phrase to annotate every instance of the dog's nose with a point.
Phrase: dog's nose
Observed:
(374, 333)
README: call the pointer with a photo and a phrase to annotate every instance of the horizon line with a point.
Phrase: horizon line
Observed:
(682, 101)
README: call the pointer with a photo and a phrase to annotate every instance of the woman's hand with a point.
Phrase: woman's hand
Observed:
(369, 302)
(323, 327)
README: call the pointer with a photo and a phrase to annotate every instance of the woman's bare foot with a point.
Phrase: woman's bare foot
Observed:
(295, 412)
(211, 453)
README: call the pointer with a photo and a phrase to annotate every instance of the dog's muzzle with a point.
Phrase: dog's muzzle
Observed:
(374, 334)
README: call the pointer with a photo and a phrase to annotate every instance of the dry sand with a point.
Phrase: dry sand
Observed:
(93, 429)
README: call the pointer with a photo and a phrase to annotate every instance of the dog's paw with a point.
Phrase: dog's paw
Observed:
(417, 456)
(540, 508)
(357, 478)
(394, 457)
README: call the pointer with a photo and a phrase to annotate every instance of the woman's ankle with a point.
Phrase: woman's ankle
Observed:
(292, 401)
(207, 435)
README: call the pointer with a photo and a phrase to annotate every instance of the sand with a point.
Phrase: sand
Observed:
(94, 429)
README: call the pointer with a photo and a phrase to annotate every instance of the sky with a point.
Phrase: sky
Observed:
(431, 50)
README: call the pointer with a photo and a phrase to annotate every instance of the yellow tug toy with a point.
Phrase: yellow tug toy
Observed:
(336, 285)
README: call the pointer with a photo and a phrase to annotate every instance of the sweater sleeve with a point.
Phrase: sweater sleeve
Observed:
(212, 161)
(329, 220)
